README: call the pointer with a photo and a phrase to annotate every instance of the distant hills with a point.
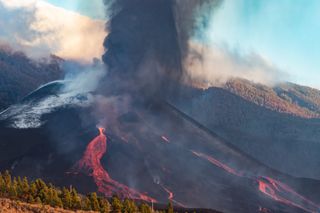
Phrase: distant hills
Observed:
(287, 98)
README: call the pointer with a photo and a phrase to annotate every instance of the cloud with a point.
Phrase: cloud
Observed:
(39, 29)
(213, 65)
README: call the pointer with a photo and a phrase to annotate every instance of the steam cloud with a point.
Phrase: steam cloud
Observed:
(214, 65)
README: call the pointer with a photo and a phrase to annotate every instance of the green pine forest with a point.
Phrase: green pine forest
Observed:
(39, 192)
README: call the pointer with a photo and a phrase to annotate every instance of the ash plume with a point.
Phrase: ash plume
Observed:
(148, 42)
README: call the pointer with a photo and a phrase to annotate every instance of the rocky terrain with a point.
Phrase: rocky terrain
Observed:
(12, 206)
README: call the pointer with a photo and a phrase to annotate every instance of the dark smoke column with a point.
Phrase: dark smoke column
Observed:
(148, 41)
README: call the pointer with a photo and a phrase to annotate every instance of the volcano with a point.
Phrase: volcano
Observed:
(152, 152)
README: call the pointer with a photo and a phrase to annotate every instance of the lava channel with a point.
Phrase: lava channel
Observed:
(272, 188)
(284, 194)
(91, 163)
(218, 163)
(165, 139)
(170, 197)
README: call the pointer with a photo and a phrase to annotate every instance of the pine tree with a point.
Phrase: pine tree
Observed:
(66, 198)
(33, 191)
(40, 184)
(44, 195)
(7, 180)
(53, 197)
(57, 199)
(116, 205)
(25, 189)
(13, 193)
(144, 208)
(94, 201)
(75, 199)
(19, 187)
(2, 185)
(38, 200)
(170, 208)
(129, 206)
(30, 199)
(105, 206)
(86, 204)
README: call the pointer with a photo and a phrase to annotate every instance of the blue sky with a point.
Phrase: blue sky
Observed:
(286, 32)
(92, 8)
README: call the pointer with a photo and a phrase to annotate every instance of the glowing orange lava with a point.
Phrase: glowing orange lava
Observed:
(218, 163)
(91, 162)
(264, 210)
(272, 188)
(170, 197)
(165, 139)
(284, 194)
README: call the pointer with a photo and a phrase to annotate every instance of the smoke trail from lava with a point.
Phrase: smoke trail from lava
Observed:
(148, 41)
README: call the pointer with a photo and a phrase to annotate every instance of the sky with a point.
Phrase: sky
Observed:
(91, 8)
(283, 34)
(286, 33)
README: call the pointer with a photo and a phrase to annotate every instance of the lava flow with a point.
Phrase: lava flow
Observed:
(165, 139)
(274, 189)
(218, 163)
(170, 197)
(91, 162)
(279, 191)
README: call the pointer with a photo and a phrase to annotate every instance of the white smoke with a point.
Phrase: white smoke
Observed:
(75, 91)
(214, 65)
(40, 29)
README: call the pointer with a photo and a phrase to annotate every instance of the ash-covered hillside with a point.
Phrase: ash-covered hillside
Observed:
(149, 151)
(20, 75)
(277, 125)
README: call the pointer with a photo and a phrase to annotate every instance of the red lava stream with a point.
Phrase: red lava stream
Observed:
(91, 162)
(170, 197)
(165, 139)
(272, 188)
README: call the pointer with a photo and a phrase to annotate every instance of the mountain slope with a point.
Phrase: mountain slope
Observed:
(284, 135)
(285, 98)
(19, 75)
(154, 149)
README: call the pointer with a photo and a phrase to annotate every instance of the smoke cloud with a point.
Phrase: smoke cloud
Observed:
(148, 42)
(152, 45)
(34, 27)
